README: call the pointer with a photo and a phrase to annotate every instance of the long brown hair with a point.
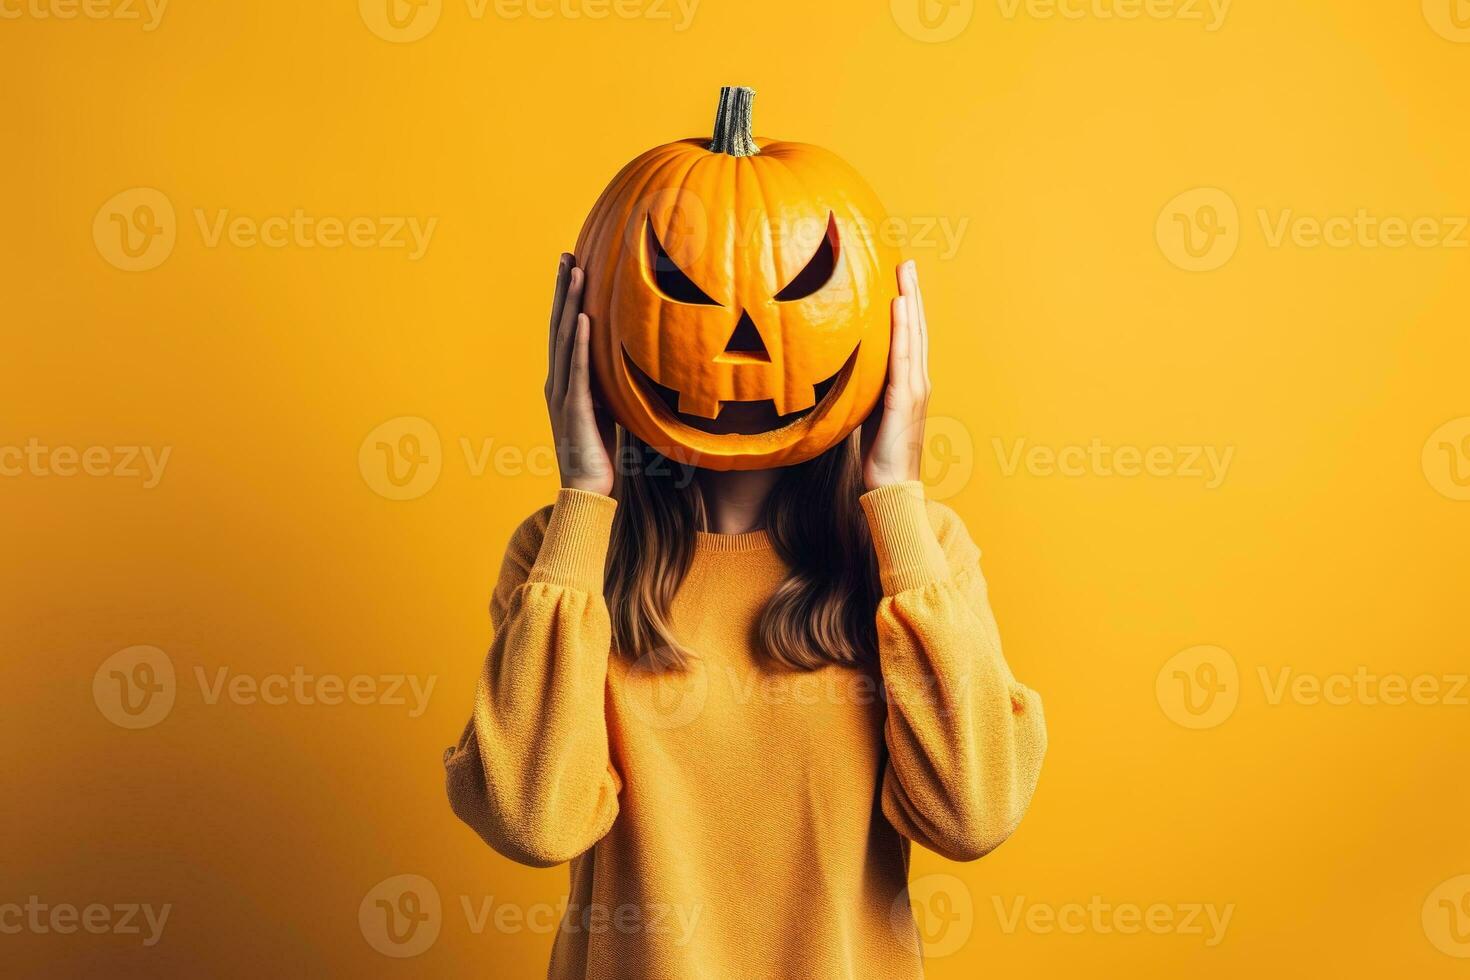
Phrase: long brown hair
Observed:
(822, 613)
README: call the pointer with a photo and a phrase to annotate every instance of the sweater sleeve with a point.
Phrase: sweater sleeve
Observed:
(965, 739)
(531, 773)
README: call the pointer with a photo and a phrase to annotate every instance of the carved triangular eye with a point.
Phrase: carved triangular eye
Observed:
(667, 276)
(818, 271)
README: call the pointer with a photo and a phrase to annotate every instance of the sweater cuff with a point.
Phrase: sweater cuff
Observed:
(574, 548)
(909, 554)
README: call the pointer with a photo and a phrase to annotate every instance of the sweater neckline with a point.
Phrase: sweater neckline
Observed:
(745, 541)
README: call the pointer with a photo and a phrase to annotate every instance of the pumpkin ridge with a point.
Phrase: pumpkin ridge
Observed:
(778, 365)
(600, 213)
(839, 208)
(688, 184)
(855, 212)
(682, 188)
(592, 247)
(805, 193)
(696, 183)
(865, 210)
(658, 167)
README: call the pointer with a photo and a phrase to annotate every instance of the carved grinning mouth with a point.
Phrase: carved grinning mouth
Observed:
(740, 417)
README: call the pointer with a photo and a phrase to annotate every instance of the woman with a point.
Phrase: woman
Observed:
(731, 703)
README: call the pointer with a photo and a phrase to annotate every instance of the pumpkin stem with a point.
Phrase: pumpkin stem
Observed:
(732, 123)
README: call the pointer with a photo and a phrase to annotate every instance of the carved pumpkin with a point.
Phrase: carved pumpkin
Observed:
(739, 296)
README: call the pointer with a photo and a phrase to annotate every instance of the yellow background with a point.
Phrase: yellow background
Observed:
(1333, 542)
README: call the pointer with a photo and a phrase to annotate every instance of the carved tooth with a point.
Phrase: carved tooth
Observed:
(703, 406)
(803, 398)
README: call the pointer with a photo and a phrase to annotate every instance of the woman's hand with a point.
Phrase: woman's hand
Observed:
(893, 436)
(583, 436)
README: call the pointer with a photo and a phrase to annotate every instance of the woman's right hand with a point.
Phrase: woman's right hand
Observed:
(583, 435)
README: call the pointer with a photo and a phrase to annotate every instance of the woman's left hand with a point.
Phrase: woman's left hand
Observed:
(893, 436)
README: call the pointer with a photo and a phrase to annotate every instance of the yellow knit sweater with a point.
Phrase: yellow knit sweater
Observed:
(741, 820)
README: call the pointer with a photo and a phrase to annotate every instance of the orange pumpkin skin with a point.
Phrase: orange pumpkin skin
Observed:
(741, 228)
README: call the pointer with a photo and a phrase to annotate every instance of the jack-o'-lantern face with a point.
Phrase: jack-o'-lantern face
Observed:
(739, 297)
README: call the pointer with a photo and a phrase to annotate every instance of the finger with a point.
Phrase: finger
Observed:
(908, 318)
(565, 334)
(898, 352)
(563, 265)
(916, 344)
(923, 330)
(915, 363)
(579, 385)
(907, 288)
(592, 429)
